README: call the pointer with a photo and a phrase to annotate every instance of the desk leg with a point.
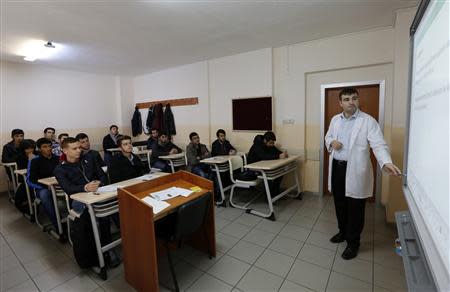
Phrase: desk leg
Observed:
(58, 216)
(270, 215)
(222, 202)
(171, 166)
(98, 245)
(30, 203)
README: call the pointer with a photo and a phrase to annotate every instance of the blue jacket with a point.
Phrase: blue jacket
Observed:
(40, 167)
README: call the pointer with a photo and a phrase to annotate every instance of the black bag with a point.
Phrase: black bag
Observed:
(247, 175)
(83, 241)
(21, 199)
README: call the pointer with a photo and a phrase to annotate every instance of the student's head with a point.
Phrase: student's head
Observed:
(221, 135)
(155, 133)
(62, 136)
(44, 146)
(17, 136)
(85, 145)
(195, 139)
(71, 148)
(27, 146)
(114, 130)
(349, 100)
(124, 143)
(49, 133)
(269, 139)
(164, 137)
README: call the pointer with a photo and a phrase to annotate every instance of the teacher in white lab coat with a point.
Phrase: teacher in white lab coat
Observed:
(350, 177)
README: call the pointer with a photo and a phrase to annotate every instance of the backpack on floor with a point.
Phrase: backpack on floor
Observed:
(83, 241)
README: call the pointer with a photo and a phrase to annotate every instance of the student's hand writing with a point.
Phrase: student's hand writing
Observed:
(173, 151)
(391, 169)
(284, 154)
(336, 145)
(92, 186)
(232, 152)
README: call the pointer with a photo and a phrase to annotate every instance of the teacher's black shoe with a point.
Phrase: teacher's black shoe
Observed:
(349, 253)
(338, 238)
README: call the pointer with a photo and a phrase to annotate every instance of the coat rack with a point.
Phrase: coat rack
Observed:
(173, 102)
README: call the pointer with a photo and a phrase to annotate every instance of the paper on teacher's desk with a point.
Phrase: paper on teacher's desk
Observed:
(182, 192)
(157, 206)
(165, 194)
(107, 189)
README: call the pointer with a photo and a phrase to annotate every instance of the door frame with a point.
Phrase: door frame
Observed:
(323, 88)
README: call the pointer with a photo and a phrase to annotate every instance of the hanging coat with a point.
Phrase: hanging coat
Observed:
(149, 121)
(169, 122)
(136, 123)
(158, 117)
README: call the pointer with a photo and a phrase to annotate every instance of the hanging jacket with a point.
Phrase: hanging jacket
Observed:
(136, 123)
(169, 121)
(158, 117)
(149, 121)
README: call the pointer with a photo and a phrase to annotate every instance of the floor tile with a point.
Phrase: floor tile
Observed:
(235, 229)
(9, 263)
(259, 237)
(289, 286)
(287, 246)
(259, 280)
(225, 242)
(56, 276)
(317, 255)
(186, 275)
(295, 232)
(275, 262)
(309, 275)
(389, 278)
(248, 219)
(201, 260)
(270, 226)
(302, 221)
(321, 239)
(117, 284)
(13, 277)
(208, 283)
(230, 213)
(246, 251)
(221, 223)
(229, 269)
(27, 286)
(326, 227)
(80, 283)
(356, 268)
(39, 265)
(339, 283)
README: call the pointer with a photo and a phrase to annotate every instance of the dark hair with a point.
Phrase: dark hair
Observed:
(269, 136)
(163, 133)
(62, 134)
(154, 129)
(220, 131)
(348, 91)
(27, 144)
(80, 136)
(49, 128)
(17, 132)
(113, 126)
(43, 141)
(192, 135)
(67, 141)
(121, 138)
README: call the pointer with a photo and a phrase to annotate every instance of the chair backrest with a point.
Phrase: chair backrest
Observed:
(105, 169)
(191, 216)
(235, 163)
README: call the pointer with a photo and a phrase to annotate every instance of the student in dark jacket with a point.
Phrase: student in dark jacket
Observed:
(162, 148)
(86, 150)
(110, 141)
(27, 152)
(263, 148)
(195, 152)
(11, 150)
(222, 146)
(154, 134)
(125, 165)
(42, 166)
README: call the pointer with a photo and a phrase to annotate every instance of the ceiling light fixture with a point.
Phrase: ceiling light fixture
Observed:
(39, 50)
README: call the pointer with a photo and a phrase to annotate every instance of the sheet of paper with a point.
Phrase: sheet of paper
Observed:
(108, 188)
(147, 177)
(165, 194)
(182, 192)
(157, 205)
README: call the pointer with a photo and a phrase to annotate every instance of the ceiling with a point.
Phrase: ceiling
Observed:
(136, 37)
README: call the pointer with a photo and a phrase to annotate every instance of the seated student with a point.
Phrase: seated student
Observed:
(263, 148)
(11, 150)
(195, 152)
(162, 148)
(110, 141)
(86, 150)
(125, 165)
(153, 138)
(76, 175)
(49, 133)
(27, 152)
(57, 150)
(39, 167)
(222, 146)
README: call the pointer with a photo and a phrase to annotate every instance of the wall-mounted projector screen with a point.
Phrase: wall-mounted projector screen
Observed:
(426, 185)
(252, 114)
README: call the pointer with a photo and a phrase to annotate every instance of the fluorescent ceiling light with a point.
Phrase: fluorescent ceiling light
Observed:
(37, 49)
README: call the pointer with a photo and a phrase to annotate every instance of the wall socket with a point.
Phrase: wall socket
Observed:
(288, 122)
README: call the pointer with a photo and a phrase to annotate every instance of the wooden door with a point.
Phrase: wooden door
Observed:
(369, 101)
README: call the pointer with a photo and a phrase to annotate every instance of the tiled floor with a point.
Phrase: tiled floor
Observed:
(254, 254)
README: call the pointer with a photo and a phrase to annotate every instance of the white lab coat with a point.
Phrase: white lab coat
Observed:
(366, 132)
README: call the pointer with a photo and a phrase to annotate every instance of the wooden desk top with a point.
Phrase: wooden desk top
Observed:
(21, 171)
(49, 181)
(271, 164)
(113, 149)
(172, 156)
(91, 198)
